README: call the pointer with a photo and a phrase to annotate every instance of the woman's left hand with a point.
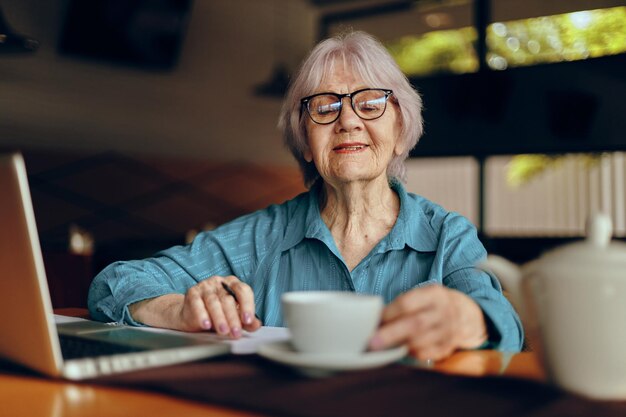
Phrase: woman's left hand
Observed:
(434, 321)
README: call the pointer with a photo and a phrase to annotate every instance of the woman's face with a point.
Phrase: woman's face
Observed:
(351, 149)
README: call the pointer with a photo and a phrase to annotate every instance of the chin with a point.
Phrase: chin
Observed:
(348, 177)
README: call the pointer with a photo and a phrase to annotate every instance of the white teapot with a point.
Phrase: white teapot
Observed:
(572, 301)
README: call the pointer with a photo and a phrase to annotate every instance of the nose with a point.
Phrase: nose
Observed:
(348, 119)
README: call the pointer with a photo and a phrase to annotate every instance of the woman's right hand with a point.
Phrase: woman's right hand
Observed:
(205, 306)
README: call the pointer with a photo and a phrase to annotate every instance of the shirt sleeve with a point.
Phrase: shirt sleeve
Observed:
(232, 249)
(460, 251)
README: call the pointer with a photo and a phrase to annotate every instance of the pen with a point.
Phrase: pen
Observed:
(232, 293)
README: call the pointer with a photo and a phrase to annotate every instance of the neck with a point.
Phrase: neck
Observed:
(359, 206)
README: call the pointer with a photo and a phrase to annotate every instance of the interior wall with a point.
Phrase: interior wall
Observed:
(204, 108)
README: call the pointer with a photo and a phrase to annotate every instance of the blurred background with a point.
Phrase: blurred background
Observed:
(145, 121)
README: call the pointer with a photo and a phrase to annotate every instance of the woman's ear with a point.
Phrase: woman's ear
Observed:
(308, 156)
(400, 146)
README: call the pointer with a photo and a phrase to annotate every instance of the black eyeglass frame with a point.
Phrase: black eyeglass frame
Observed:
(304, 103)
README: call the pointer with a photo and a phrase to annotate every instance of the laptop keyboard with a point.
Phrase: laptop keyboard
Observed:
(78, 347)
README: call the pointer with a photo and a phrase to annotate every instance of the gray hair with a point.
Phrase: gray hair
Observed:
(371, 62)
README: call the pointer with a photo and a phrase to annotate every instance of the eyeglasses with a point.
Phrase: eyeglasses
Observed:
(368, 104)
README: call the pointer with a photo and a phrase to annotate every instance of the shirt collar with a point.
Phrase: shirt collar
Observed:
(412, 227)
(306, 220)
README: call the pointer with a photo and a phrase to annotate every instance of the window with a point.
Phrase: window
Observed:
(428, 37)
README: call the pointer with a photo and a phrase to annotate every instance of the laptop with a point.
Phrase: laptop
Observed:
(29, 335)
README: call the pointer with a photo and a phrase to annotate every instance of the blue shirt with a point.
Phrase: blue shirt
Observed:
(288, 247)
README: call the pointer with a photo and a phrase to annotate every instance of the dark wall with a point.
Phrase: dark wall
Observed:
(564, 107)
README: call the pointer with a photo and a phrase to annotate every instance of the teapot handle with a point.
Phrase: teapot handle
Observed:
(599, 230)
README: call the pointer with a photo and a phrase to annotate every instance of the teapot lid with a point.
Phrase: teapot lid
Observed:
(597, 246)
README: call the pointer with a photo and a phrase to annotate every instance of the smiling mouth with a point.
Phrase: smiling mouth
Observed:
(349, 147)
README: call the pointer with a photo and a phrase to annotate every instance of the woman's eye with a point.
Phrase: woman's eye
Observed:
(328, 108)
(370, 105)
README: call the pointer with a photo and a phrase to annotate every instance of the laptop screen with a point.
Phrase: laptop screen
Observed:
(27, 332)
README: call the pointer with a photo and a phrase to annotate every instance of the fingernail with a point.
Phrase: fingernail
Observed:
(223, 328)
(247, 318)
(236, 332)
(376, 343)
(206, 325)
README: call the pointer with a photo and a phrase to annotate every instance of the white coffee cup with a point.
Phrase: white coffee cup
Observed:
(331, 322)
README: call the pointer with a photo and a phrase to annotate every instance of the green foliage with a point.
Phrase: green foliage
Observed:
(439, 51)
(523, 168)
(565, 37)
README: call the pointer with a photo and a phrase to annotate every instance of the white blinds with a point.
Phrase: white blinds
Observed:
(555, 203)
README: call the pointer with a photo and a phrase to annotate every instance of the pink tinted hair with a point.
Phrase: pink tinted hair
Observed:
(369, 60)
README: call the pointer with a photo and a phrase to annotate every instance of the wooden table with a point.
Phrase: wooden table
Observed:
(29, 395)
(22, 395)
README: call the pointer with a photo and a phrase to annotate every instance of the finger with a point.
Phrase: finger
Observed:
(254, 326)
(194, 315)
(212, 284)
(410, 302)
(245, 298)
(432, 351)
(435, 342)
(218, 319)
(231, 313)
(404, 329)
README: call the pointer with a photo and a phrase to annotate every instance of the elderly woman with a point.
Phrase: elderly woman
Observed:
(350, 119)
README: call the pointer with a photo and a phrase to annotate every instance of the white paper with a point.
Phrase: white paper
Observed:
(59, 319)
(247, 344)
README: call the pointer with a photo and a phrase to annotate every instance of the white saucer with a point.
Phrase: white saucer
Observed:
(314, 364)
